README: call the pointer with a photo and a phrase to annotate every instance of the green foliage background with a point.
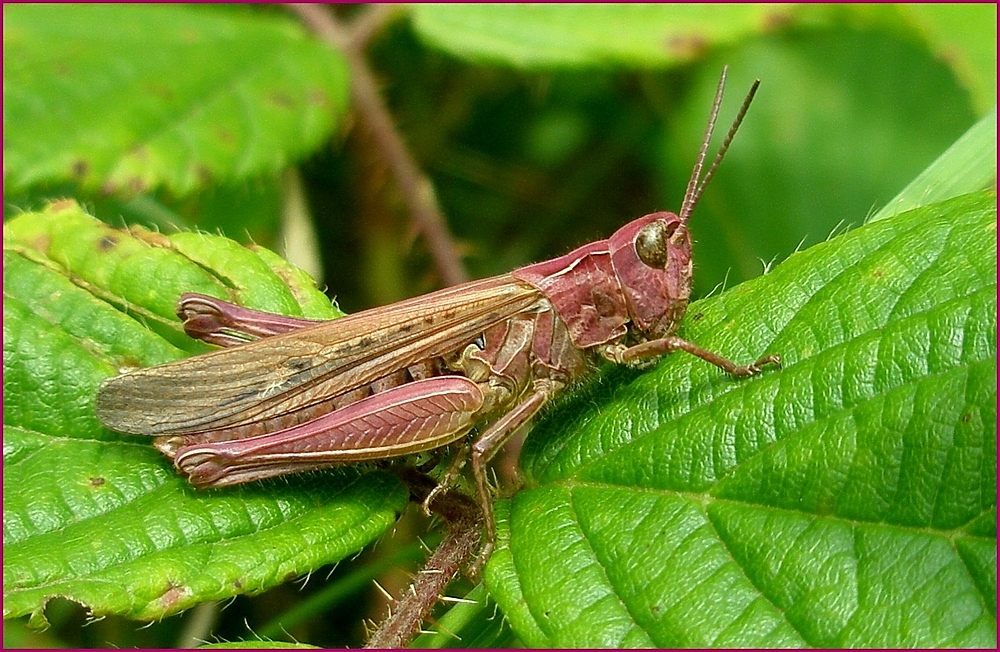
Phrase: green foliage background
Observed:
(848, 500)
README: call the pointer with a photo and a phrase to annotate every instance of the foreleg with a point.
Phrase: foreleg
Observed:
(658, 347)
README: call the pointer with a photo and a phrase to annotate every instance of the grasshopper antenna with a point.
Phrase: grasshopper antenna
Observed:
(697, 183)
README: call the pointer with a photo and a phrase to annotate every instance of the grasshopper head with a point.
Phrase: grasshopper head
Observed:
(652, 255)
(652, 260)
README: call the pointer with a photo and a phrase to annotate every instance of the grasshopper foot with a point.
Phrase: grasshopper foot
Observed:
(757, 366)
(431, 497)
(475, 569)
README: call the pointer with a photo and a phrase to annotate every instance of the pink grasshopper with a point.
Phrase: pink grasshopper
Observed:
(419, 374)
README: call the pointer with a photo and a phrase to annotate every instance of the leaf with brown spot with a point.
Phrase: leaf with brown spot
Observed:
(146, 122)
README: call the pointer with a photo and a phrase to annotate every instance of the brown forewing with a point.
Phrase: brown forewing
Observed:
(267, 378)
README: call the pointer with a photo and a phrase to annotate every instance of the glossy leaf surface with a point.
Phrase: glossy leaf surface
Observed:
(104, 519)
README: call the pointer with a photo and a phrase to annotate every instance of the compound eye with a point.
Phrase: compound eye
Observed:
(651, 244)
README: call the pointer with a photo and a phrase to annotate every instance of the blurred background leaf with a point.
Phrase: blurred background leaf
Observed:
(218, 100)
(541, 128)
(264, 94)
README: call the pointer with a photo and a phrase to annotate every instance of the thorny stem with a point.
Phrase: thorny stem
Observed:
(459, 545)
(416, 189)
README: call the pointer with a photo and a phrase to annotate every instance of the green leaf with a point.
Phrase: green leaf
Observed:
(101, 518)
(847, 500)
(198, 94)
(586, 35)
(533, 36)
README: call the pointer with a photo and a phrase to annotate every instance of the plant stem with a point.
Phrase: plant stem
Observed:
(416, 189)
(458, 546)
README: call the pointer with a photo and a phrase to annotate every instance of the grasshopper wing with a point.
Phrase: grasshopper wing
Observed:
(278, 375)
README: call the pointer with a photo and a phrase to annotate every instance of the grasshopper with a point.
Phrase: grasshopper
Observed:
(422, 373)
